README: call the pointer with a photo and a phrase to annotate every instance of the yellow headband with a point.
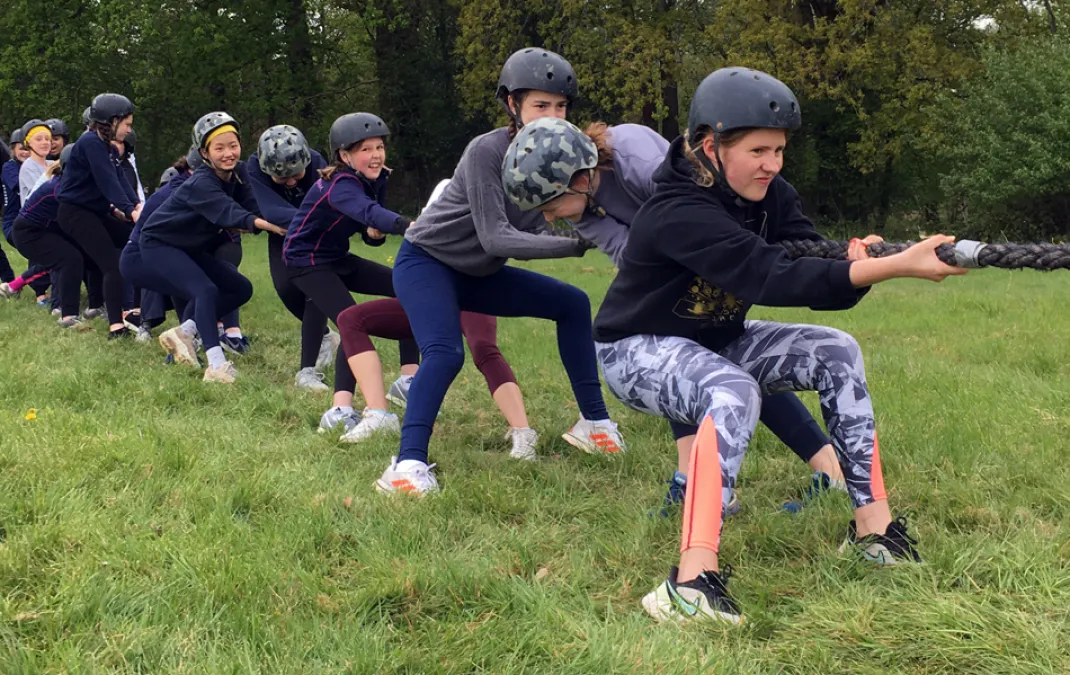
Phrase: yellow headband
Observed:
(37, 129)
(220, 131)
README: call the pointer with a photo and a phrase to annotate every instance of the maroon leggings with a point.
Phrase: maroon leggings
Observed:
(386, 319)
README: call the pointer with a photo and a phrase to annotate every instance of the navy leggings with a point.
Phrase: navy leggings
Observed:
(787, 417)
(213, 286)
(229, 251)
(434, 294)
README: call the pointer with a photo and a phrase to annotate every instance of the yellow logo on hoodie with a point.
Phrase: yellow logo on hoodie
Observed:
(704, 301)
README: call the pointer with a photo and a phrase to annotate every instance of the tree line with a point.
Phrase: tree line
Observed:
(917, 114)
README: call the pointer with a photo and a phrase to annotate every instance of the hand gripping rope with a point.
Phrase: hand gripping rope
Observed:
(965, 253)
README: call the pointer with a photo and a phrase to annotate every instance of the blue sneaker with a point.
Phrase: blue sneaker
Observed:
(820, 483)
(677, 491)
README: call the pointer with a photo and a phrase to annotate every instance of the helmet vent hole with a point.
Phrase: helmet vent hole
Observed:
(549, 76)
(793, 106)
(774, 106)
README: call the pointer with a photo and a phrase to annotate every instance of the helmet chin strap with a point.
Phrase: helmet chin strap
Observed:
(720, 179)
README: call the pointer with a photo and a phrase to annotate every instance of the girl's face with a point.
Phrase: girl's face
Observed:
(57, 144)
(290, 182)
(224, 151)
(22, 153)
(41, 143)
(571, 205)
(367, 158)
(541, 104)
(123, 127)
(751, 164)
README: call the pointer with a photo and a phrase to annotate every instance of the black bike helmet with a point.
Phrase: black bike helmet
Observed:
(534, 68)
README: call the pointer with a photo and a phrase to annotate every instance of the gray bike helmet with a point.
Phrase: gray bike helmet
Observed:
(209, 123)
(168, 174)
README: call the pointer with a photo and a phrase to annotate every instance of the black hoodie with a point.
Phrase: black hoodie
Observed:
(698, 258)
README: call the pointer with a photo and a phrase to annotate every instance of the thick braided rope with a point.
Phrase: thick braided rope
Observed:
(1042, 256)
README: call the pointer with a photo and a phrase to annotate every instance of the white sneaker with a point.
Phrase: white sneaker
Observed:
(308, 378)
(596, 438)
(372, 422)
(224, 373)
(328, 346)
(398, 394)
(524, 441)
(411, 477)
(179, 345)
(7, 292)
(334, 417)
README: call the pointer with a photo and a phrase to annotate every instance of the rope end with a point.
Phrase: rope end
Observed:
(967, 252)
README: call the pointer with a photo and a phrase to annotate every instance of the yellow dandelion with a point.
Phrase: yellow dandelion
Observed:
(31, 415)
(390, 260)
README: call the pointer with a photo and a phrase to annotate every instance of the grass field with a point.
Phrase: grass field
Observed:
(155, 524)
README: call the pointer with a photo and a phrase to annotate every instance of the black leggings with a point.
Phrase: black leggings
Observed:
(55, 252)
(100, 239)
(313, 321)
(329, 287)
(6, 273)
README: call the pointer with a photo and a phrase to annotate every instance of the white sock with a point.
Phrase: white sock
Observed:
(189, 328)
(344, 409)
(410, 464)
(216, 357)
(233, 332)
(605, 421)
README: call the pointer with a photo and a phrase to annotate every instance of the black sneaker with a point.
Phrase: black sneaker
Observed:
(132, 320)
(234, 345)
(119, 334)
(704, 598)
(893, 547)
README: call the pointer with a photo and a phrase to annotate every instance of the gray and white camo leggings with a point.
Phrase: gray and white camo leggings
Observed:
(678, 379)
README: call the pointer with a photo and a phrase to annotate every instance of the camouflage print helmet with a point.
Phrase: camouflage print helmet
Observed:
(542, 159)
(209, 123)
(283, 152)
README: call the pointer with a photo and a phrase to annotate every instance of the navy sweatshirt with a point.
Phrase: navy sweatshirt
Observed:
(40, 209)
(9, 183)
(93, 180)
(698, 258)
(155, 201)
(278, 203)
(335, 210)
(198, 209)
